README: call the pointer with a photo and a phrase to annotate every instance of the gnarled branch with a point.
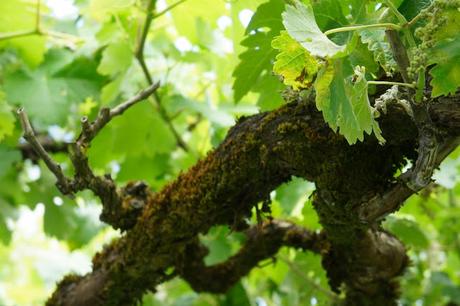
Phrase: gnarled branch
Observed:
(263, 242)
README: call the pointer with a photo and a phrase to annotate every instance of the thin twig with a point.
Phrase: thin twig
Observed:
(139, 54)
(113, 212)
(63, 183)
(90, 130)
(390, 201)
(121, 108)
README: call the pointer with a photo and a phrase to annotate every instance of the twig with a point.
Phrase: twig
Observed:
(38, 30)
(139, 54)
(28, 152)
(390, 201)
(90, 130)
(63, 183)
(115, 212)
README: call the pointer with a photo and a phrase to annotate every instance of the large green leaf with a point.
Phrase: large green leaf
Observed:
(8, 158)
(259, 54)
(410, 8)
(104, 9)
(344, 102)
(377, 43)
(236, 296)
(187, 15)
(446, 74)
(408, 231)
(48, 92)
(299, 21)
(116, 58)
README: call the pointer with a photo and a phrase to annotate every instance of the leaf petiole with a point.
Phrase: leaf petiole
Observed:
(391, 83)
(365, 26)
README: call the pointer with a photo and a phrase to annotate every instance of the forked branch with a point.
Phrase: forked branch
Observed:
(263, 242)
(115, 212)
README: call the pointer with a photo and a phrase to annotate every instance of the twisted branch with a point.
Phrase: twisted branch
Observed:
(116, 211)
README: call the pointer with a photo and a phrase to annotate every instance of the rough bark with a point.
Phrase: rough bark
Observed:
(260, 153)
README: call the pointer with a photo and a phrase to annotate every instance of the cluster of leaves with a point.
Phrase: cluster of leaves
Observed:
(77, 63)
(334, 67)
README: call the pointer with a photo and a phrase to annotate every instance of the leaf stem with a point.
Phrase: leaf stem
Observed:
(391, 83)
(403, 21)
(139, 54)
(18, 34)
(365, 26)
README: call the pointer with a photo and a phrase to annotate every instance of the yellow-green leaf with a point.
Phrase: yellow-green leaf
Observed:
(294, 63)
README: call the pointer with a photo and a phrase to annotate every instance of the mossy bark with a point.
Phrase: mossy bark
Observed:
(260, 153)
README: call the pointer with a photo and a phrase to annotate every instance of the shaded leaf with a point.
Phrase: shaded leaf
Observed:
(259, 54)
(408, 231)
(48, 92)
(117, 57)
(446, 73)
(376, 42)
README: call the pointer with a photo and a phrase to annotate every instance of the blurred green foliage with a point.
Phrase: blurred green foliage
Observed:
(85, 59)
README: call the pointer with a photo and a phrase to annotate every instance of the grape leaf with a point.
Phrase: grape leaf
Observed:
(236, 296)
(446, 74)
(269, 87)
(410, 8)
(186, 16)
(9, 156)
(103, 9)
(408, 231)
(345, 104)
(48, 91)
(299, 21)
(293, 62)
(376, 42)
(135, 137)
(116, 58)
(259, 54)
(328, 107)
(328, 14)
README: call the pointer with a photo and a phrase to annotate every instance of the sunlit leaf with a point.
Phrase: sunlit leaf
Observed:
(300, 23)
(293, 62)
